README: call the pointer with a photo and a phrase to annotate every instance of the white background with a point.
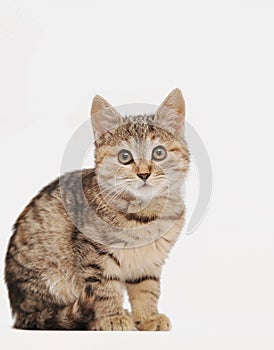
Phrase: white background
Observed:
(55, 55)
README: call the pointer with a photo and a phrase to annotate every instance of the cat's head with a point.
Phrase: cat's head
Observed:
(143, 156)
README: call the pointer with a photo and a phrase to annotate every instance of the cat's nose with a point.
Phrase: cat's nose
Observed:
(143, 176)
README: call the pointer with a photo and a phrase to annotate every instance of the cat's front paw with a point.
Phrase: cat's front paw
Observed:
(156, 322)
(112, 323)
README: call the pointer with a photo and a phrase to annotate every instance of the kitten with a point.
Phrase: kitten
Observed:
(90, 234)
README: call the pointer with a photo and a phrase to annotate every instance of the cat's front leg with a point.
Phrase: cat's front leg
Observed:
(108, 306)
(143, 294)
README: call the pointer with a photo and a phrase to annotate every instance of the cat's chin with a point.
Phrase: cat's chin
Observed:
(145, 192)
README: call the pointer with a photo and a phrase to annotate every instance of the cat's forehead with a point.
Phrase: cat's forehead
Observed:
(139, 118)
(136, 133)
(139, 146)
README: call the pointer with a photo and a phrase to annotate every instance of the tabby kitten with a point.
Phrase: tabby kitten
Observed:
(91, 234)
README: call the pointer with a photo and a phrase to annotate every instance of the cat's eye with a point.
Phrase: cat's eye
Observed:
(159, 153)
(125, 157)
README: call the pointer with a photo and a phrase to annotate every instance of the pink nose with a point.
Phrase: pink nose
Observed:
(144, 176)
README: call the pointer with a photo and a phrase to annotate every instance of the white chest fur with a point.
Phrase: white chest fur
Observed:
(147, 259)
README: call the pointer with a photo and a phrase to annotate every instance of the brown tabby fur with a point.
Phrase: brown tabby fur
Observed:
(59, 277)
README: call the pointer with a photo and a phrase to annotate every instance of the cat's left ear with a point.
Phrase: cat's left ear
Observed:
(171, 113)
(104, 116)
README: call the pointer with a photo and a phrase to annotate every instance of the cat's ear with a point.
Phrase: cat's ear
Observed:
(104, 116)
(171, 113)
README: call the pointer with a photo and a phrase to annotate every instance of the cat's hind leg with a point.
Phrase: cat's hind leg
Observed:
(34, 310)
(74, 316)
(55, 317)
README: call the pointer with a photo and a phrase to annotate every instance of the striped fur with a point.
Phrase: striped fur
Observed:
(75, 249)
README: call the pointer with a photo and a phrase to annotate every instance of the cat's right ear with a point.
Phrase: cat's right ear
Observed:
(104, 116)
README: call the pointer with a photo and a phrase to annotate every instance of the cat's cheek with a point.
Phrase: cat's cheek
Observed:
(108, 173)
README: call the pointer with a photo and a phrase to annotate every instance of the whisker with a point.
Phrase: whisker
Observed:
(111, 195)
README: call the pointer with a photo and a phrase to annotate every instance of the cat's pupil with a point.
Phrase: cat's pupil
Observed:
(125, 156)
(159, 152)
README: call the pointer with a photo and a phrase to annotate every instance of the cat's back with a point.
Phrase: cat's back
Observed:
(43, 230)
(47, 210)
